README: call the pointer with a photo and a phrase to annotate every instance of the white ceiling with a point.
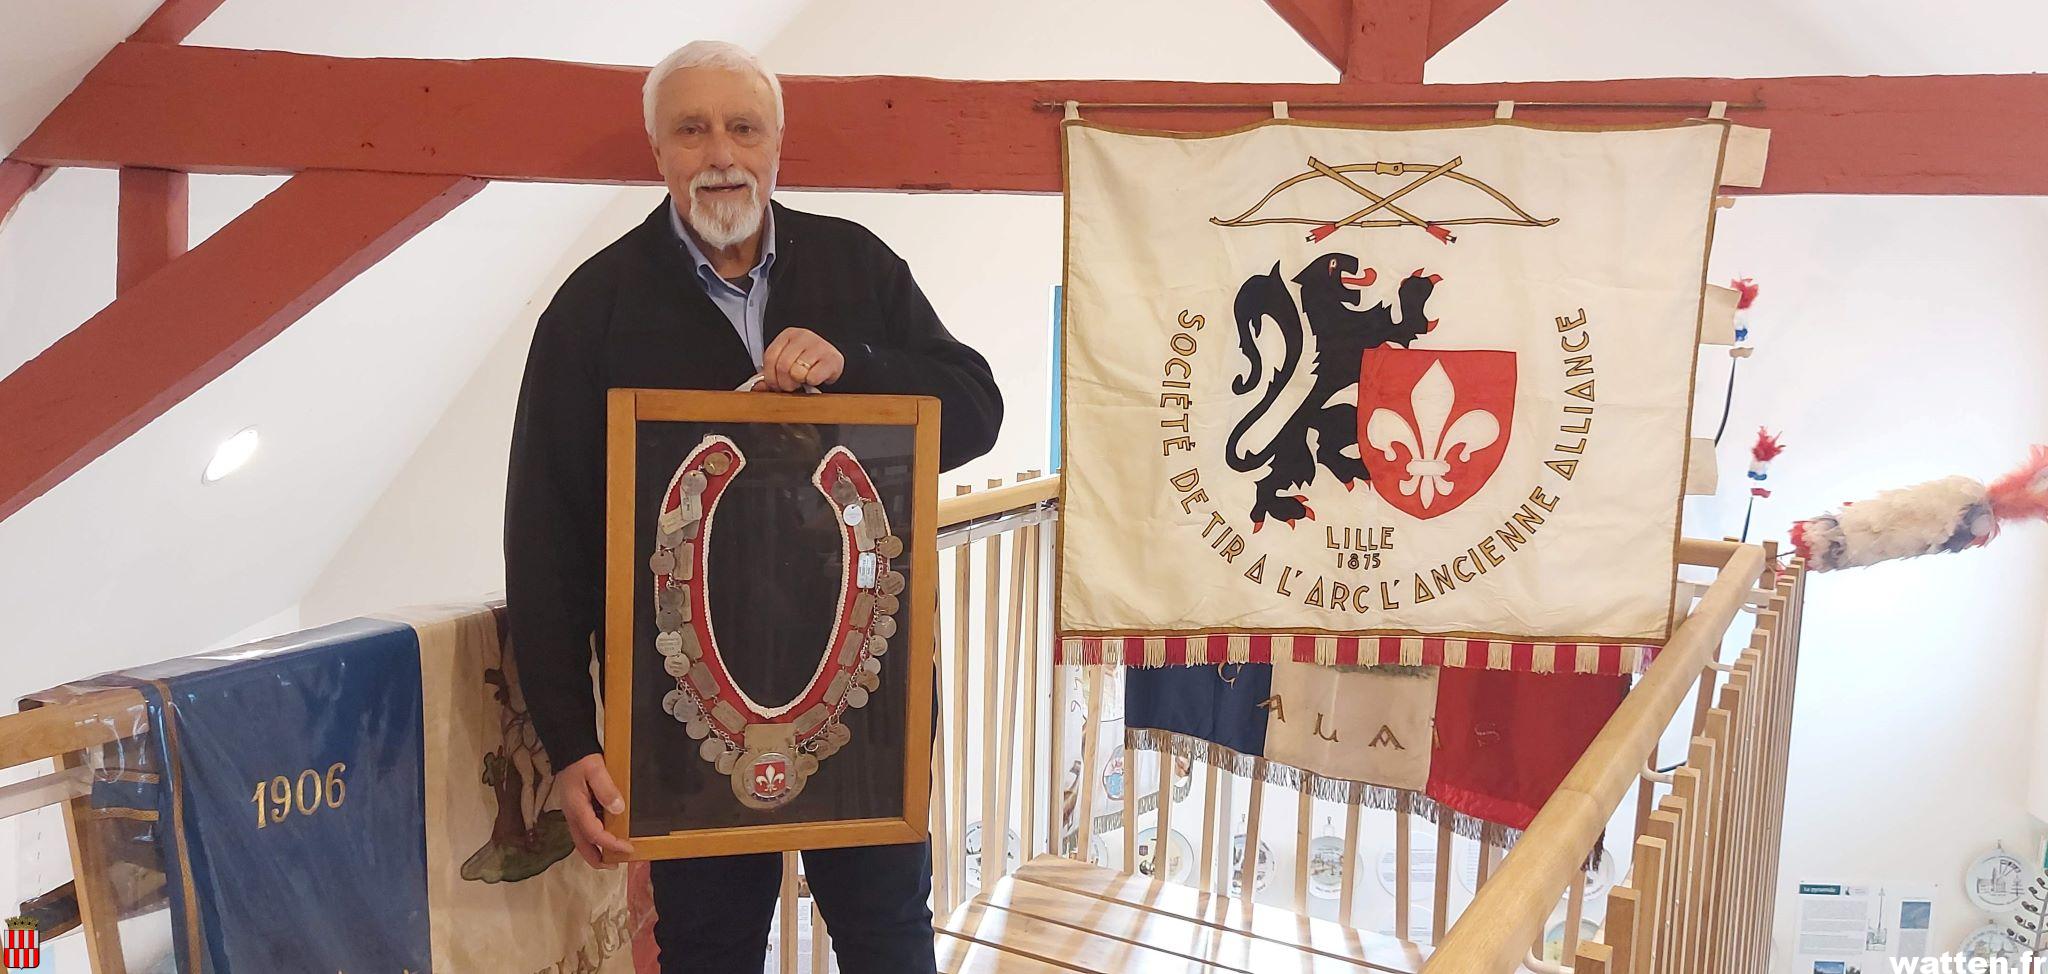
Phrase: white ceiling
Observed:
(133, 559)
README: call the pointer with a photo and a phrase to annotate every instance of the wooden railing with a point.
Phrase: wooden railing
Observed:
(1704, 854)
(1699, 898)
(1701, 894)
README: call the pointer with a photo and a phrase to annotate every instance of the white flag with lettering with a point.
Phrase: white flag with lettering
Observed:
(1348, 395)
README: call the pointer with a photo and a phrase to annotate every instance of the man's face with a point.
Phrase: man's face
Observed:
(717, 142)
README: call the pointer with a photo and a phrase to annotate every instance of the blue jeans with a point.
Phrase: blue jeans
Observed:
(712, 915)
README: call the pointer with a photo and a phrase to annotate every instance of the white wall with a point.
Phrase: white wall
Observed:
(1900, 340)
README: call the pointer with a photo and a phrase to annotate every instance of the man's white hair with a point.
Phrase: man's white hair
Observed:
(700, 54)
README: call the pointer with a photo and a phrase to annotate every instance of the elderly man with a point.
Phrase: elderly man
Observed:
(718, 288)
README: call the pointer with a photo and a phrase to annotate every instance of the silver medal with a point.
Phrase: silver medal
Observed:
(711, 750)
(871, 665)
(676, 666)
(851, 515)
(676, 704)
(844, 492)
(663, 562)
(891, 582)
(890, 546)
(697, 728)
(669, 643)
(865, 576)
(857, 697)
(885, 626)
(693, 482)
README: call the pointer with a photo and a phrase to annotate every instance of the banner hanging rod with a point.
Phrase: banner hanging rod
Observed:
(1297, 105)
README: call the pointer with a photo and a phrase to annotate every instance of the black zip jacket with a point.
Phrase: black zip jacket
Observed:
(635, 316)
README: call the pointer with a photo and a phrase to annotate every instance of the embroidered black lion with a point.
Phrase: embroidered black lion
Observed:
(1342, 332)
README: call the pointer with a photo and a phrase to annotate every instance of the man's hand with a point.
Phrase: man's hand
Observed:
(586, 785)
(798, 357)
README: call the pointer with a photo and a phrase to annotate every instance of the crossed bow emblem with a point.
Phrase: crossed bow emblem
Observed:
(1383, 211)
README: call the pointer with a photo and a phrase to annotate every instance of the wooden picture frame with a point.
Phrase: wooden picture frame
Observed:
(633, 591)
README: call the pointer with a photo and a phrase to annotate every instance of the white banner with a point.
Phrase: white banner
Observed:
(1341, 382)
(506, 890)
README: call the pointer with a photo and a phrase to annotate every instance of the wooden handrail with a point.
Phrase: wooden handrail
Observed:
(963, 508)
(89, 720)
(1705, 553)
(960, 509)
(1509, 911)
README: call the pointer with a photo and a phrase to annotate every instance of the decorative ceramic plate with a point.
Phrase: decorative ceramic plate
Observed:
(1113, 777)
(972, 843)
(1180, 854)
(1990, 941)
(1553, 939)
(1326, 867)
(1994, 882)
(1260, 874)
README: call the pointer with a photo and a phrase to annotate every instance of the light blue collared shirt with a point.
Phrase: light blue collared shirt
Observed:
(744, 307)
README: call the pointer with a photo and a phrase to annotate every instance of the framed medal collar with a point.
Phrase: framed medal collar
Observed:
(769, 752)
(768, 666)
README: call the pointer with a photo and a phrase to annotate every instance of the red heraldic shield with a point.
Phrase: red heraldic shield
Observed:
(24, 950)
(1433, 424)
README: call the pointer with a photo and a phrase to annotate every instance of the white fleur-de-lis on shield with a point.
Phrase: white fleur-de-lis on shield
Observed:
(769, 780)
(1430, 443)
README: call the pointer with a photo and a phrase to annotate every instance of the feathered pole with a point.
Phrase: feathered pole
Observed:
(1949, 514)
(1761, 454)
(1746, 291)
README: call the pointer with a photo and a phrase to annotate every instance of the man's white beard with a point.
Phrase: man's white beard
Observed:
(726, 223)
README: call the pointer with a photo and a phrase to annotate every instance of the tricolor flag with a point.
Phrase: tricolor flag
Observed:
(1475, 744)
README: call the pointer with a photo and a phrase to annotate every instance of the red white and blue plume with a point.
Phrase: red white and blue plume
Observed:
(1766, 449)
(1746, 290)
(1949, 514)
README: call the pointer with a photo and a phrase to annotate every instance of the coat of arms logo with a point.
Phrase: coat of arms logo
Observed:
(1431, 447)
(24, 950)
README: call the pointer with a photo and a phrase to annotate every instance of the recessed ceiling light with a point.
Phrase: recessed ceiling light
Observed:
(231, 455)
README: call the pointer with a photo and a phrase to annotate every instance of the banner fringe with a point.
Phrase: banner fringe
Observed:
(1338, 790)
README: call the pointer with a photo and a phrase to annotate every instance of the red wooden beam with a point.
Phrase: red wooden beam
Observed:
(16, 179)
(175, 331)
(1378, 40)
(1389, 40)
(155, 224)
(209, 110)
(174, 20)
